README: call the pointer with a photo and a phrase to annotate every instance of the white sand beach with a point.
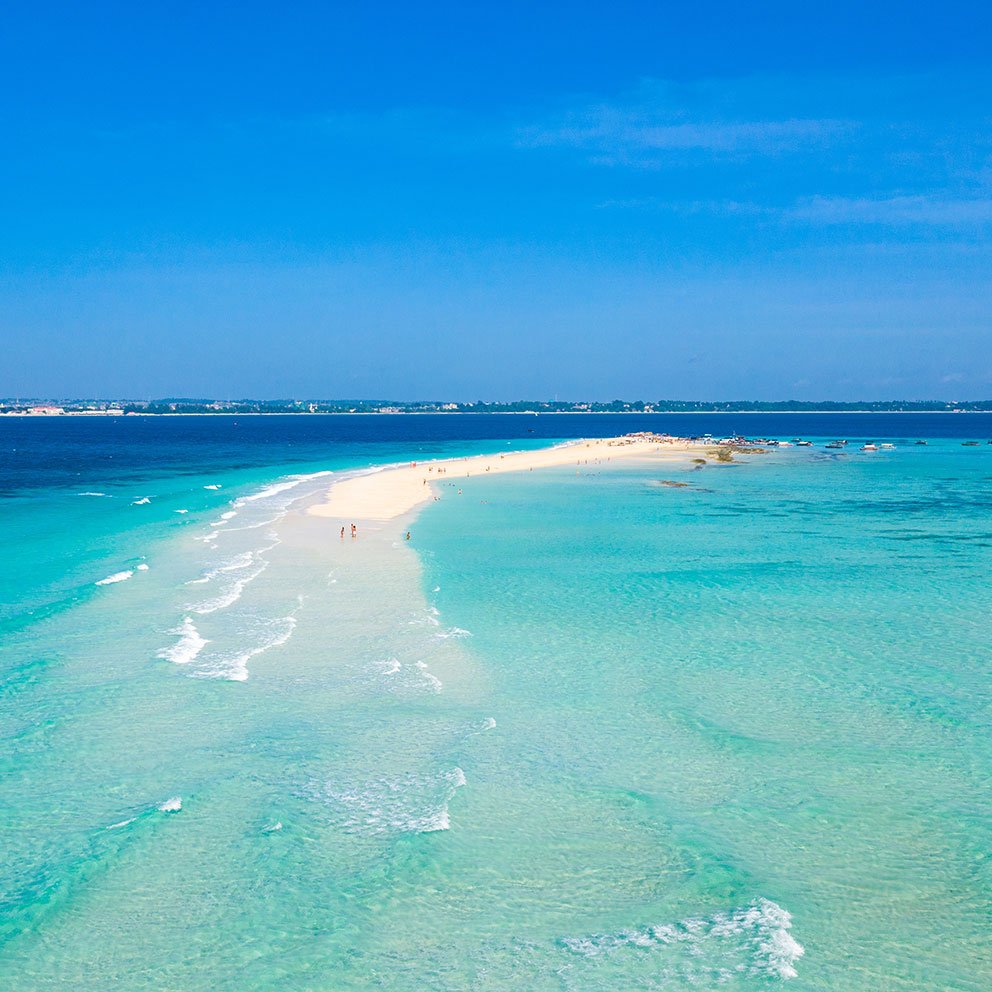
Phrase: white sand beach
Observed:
(396, 490)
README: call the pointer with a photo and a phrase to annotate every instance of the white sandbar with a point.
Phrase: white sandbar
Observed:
(396, 490)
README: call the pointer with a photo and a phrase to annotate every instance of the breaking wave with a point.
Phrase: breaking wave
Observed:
(233, 592)
(432, 680)
(411, 804)
(405, 677)
(291, 482)
(754, 939)
(172, 805)
(233, 665)
(116, 577)
(189, 645)
(453, 632)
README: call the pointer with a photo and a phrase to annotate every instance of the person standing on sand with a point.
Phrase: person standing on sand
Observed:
(354, 532)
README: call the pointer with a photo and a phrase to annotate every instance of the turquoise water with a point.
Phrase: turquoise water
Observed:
(584, 731)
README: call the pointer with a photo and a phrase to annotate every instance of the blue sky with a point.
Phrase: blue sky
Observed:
(628, 200)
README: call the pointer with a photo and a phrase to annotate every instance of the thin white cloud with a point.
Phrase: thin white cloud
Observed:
(894, 210)
(730, 208)
(620, 136)
(660, 119)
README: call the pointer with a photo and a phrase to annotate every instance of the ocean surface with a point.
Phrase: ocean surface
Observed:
(586, 730)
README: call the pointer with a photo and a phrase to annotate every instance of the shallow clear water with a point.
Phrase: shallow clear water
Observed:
(584, 731)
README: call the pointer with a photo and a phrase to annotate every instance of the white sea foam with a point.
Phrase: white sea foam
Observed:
(142, 567)
(412, 804)
(276, 488)
(409, 678)
(267, 492)
(255, 526)
(189, 645)
(436, 589)
(453, 632)
(141, 502)
(428, 617)
(432, 680)
(240, 562)
(123, 823)
(754, 939)
(214, 486)
(475, 729)
(272, 827)
(232, 593)
(234, 666)
(173, 805)
(116, 577)
(237, 563)
(180, 511)
(229, 515)
(96, 494)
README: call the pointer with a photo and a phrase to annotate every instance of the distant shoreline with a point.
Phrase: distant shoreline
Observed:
(492, 413)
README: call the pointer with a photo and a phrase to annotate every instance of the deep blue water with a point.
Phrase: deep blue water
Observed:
(66, 451)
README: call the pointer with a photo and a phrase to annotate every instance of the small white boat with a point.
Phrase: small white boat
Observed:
(869, 447)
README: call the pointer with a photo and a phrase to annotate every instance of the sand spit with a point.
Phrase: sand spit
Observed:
(397, 490)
